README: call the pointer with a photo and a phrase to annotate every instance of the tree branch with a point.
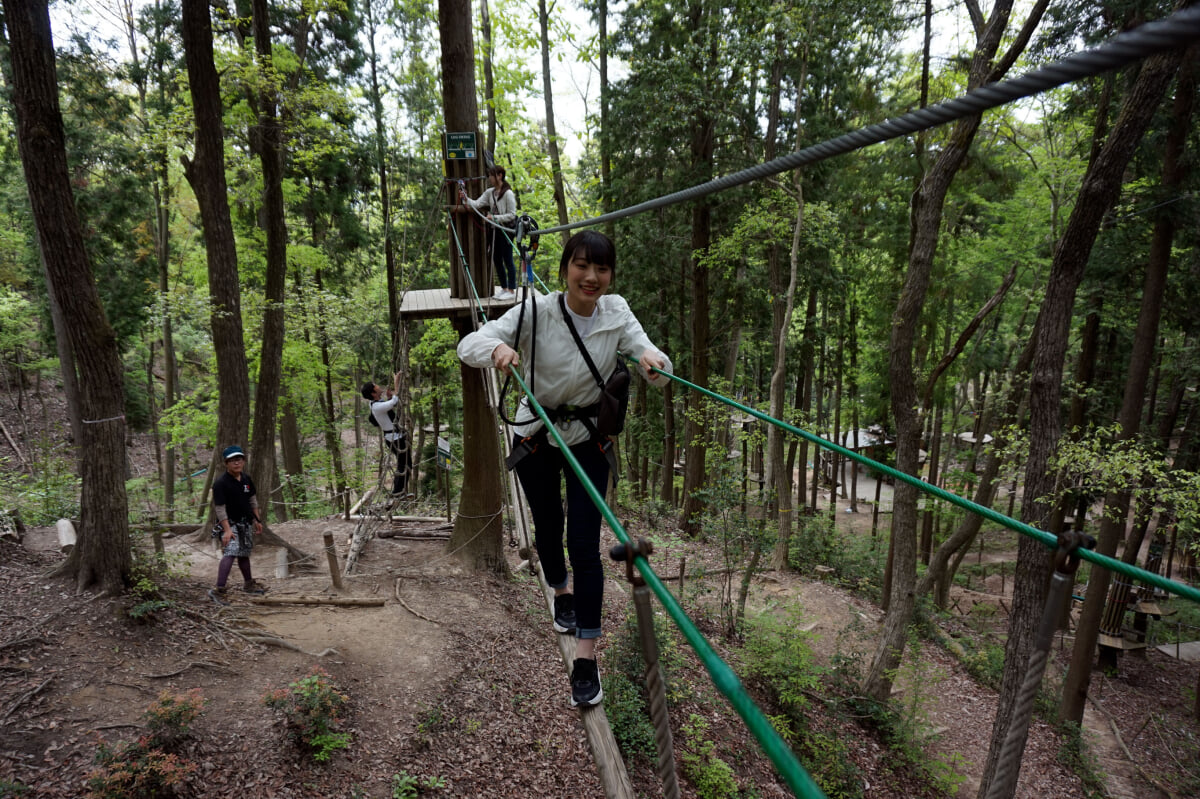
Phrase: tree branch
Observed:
(1020, 43)
(965, 336)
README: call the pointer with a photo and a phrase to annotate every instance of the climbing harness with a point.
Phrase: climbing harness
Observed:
(655, 684)
(526, 226)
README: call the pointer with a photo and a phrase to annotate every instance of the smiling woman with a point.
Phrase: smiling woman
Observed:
(573, 336)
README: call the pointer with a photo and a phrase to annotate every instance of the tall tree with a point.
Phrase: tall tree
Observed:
(928, 202)
(560, 195)
(267, 139)
(102, 555)
(478, 532)
(205, 171)
(1101, 188)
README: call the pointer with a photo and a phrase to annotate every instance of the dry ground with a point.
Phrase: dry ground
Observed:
(457, 676)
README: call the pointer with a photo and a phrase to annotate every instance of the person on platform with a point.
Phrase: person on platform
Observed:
(500, 205)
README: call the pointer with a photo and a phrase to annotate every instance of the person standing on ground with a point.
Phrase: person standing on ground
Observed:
(383, 416)
(238, 521)
(563, 385)
(501, 206)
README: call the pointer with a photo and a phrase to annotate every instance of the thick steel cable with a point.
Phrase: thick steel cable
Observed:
(1178, 30)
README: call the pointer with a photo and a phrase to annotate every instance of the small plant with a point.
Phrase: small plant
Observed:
(137, 770)
(406, 786)
(169, 719)
(628, 715)
(712, 776)
(779, 657)
(11, 790)
(1073, 753)
(311, 707)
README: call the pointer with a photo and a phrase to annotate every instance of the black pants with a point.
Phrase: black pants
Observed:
(403, 453)
(542, 473)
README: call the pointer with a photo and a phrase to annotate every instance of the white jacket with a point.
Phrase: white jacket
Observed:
(503, 211)
(561, 376)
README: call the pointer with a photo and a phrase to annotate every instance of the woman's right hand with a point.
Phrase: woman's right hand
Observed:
(504, 357)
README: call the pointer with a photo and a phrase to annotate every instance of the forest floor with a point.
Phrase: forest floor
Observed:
(457, 677)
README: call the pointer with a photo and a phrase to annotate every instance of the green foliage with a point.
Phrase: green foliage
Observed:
(985, 663)
(1074, 753)
(149, 569)
(311, 707)
(625, 698)
(628, 715)
(51, 494)
(856, 559)
(169, 719)
(12, 790)
(779, 657)
(828, 760)
(712, 777)
(406, 786)
(137, 770)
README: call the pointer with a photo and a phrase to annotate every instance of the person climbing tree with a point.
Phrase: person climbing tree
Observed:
(383, 416)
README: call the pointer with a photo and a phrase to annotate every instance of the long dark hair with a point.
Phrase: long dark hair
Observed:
(596, 247)
(499, 170)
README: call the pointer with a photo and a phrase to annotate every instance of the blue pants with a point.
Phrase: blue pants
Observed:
(541, 473)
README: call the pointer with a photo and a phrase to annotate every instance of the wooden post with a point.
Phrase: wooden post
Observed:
(334, 572)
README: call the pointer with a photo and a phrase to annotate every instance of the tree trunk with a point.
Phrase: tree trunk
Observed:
(385, 195)
(605, 149)
(206, 174)
(926, 218)
(1100, 189)
(266, 139)
(102, 553)
(478, 537)
(489, 82)
(560, 195)
(777, 476)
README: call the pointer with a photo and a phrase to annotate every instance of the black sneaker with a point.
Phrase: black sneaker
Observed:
(254, 587)
(219, 595)
(564, 614)
(585, 683)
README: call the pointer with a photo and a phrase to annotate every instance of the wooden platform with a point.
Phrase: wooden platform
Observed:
(1152, 609)
(1114, 642)
(438, 304)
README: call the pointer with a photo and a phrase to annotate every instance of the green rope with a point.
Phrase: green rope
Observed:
(723, 678)
(1045, 538)
(462, 259)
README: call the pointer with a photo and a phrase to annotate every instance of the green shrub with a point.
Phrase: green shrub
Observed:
(311, 707)
(11, 790)
(778, 655)
(712, 777)
(628, 715)
(137, 770)
(828, 760)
